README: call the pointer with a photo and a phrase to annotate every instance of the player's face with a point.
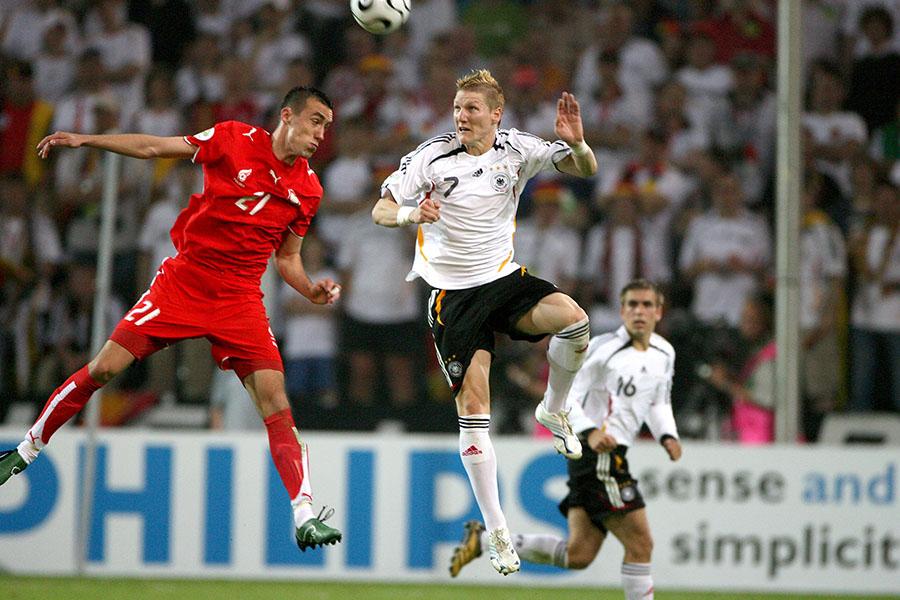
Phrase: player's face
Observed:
(306, 128)
(640, 312)
(476, 123)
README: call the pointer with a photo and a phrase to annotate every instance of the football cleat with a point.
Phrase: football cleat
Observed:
(314, 532)
(11, 463)
(469, 548)
(504, 557)
(564, 439)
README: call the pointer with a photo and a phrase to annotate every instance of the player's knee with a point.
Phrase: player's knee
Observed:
(579, 558)
(572, 314)
(472, 404)
(640, 548)
(103, 370)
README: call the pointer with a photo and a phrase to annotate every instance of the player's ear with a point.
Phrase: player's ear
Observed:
(286, 113)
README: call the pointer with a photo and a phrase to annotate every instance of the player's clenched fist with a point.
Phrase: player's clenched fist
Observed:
(428, 211)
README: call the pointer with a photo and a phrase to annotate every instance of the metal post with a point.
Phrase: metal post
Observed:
(787, 223)
(99, 334)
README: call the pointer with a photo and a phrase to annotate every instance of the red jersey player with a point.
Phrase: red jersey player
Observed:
(259, 196)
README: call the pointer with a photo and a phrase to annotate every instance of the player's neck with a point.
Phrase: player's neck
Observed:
(640, 342)
(280, 149)
(480, 146)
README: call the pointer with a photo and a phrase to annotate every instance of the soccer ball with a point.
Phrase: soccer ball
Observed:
(380, 16)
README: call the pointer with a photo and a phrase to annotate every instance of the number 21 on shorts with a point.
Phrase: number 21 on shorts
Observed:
(140, 312)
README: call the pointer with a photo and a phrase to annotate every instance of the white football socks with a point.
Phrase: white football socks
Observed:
(480, 462)
(636, 581)
(565, 355)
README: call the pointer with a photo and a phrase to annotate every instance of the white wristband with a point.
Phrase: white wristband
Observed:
(403, 215)
(581, 149)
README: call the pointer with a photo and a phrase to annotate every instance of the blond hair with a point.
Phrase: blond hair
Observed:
(481, 80)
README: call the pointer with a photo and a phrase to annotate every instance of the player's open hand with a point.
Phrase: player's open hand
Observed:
(673, 448)
(569, 127)
(59, 138)
(325, 291)
(428, 211)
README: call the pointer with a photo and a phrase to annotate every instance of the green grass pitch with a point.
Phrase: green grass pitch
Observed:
(70, 588)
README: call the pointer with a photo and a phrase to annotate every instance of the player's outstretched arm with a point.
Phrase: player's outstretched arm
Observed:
(570, 129)
(390, 214)
(136, 145)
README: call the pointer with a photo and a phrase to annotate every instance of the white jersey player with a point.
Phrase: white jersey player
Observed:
(462, 189)
(625, 381)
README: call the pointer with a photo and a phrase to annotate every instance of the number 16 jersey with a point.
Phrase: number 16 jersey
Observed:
(619, 388)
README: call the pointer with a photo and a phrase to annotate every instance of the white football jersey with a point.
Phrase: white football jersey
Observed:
(472, 243)
(620, 387)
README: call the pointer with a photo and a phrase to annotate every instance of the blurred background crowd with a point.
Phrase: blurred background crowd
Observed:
(678, 102)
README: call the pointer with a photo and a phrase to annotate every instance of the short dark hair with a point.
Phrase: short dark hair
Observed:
(298, 96)
(878, 14)
(642, 284)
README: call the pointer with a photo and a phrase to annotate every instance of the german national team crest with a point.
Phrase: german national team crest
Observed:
(500, 182)
(455, 368)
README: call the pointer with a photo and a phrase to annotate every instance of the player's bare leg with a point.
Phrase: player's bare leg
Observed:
(64, 403)
(560, 315)
(585, 539)
(291, 457)
(633, 530)
(477, 454)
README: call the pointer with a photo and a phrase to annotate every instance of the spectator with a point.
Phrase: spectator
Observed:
(380, 331)
(201, 76)
(752, 387)
(875, 311)
(547, 247)
(706, 81)
(125, 53)
(823, 277)
(24, 121)
(55, 64)
(836, 136)
(660, 191)
(725, 253)
(616, 252)
(24, 30)
(641, 63)
(310, 343)
(876, 104)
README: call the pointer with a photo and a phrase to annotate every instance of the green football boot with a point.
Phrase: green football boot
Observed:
(314, 532)
(11, 463)
(469, 548)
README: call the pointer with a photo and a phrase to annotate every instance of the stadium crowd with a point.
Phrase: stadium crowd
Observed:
(678, 101)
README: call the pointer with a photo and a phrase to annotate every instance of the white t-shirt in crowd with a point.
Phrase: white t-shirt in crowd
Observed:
(721, 296)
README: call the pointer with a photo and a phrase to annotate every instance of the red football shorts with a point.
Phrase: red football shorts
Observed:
(186, 300)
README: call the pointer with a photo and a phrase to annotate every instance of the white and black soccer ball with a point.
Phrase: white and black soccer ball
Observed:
(380, 16)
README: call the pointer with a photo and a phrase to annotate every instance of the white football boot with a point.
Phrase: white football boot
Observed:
(504, 557)
(564, 439)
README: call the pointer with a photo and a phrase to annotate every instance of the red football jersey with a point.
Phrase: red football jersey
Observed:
(249, 201)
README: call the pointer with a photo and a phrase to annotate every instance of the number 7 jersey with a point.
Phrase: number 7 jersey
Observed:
(250, 200)
(472, 242)
(620, 387)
